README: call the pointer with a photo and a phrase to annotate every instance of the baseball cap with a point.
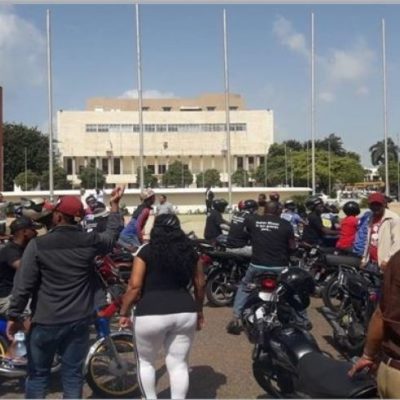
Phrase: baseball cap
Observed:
(146, 194)
(69, 205)
(376, 197)
(23, 223)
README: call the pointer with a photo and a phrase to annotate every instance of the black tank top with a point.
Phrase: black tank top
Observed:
(162, 292)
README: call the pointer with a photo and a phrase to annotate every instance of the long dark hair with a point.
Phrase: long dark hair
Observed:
(172, 249)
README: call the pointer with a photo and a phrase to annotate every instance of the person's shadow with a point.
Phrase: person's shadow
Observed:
(204, 382)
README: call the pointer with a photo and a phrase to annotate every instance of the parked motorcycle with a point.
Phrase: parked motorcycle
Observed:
(287, 361)
(323, 262)
(224, 272)
(359, 290)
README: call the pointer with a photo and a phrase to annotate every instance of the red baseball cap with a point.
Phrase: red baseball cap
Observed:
(70, 205)
(376, 197)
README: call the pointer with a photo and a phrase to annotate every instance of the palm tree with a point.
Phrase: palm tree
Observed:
(378, 152)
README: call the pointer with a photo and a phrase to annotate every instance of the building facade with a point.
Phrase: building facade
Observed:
(192, 131)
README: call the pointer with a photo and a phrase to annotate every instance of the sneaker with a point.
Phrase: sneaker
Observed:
(234, 327)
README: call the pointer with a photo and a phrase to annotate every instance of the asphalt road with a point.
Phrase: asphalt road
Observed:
(220, 363)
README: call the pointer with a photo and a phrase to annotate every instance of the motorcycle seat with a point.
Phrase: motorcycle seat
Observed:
(323, 377)
(333, 260)
(228, 256)
(123, 256)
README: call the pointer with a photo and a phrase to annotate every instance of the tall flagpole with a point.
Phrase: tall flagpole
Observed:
(228, 129)
(50, 105)
(140, 98)
(387, 189)
(312, 107)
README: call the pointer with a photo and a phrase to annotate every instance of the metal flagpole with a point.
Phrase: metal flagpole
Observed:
(286, 167)
(140, 98)
(50, 105)
(228, 129)
(398, 169)
(312, 107)
(387, 189)
(329, 168)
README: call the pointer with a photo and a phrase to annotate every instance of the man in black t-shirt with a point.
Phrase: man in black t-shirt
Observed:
(238, 241)
(215, 222)
(23, 230)
(314, 231)
(272, 239)
(209, 199)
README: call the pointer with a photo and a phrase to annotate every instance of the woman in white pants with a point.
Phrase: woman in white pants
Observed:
(166, 315)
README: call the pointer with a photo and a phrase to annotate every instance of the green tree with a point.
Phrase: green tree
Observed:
(59, 177)
(392, 175)
(28, 180)
(177, 175)
(210, 177)
(150, 180)
(17, 138)
(377, 151)
(89, 178)
(241, 177)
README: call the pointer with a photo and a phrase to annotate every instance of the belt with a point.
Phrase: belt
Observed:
(391, 362)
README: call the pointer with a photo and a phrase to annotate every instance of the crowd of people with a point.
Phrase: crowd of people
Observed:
(51, 277)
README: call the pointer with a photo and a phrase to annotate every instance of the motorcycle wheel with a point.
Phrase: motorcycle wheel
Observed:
(218, 290)
(267, 380)
(103, 375)
(332, 296)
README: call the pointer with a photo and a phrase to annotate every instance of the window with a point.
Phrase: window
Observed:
(91, 127)
(262, 160)
(162, 169)
(161, 128)
(149, 128)
(115, 127)
(151, 168)
(145, 108)
(92, 163)
(136, 128)
(240, 162)
(117, 166)
(251, 160)
(104, 165)
(210, 108)
(68, 165)
(172, 128)
(126, 127)
(233, 108)
(166, 108)
(102, 128)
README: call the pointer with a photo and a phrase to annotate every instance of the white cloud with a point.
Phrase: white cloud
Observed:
(328, 97)
(147, 94)
(286, 34)
(362, 90)
(351, 66)
(22, 52)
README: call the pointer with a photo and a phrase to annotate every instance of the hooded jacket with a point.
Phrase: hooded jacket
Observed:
(388, 237)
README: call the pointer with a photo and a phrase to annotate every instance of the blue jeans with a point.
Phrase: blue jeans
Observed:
(242, 294)
(71, 342)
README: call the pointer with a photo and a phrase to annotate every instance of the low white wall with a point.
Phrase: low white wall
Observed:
(185, 200)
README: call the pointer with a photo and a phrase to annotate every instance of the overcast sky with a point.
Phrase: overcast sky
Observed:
(94, 54)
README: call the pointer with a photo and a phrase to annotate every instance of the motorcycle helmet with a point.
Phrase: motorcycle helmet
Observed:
(35, 209)
(299, 286)
(167, 221)
(313, 202)
(351, 208)
(290, 205)
(220, 205)
(274, 196)
(250, 205)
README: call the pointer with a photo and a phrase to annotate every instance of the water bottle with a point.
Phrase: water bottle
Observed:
(20, 347)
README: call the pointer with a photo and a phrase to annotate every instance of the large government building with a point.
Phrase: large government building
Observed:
(192, 131)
